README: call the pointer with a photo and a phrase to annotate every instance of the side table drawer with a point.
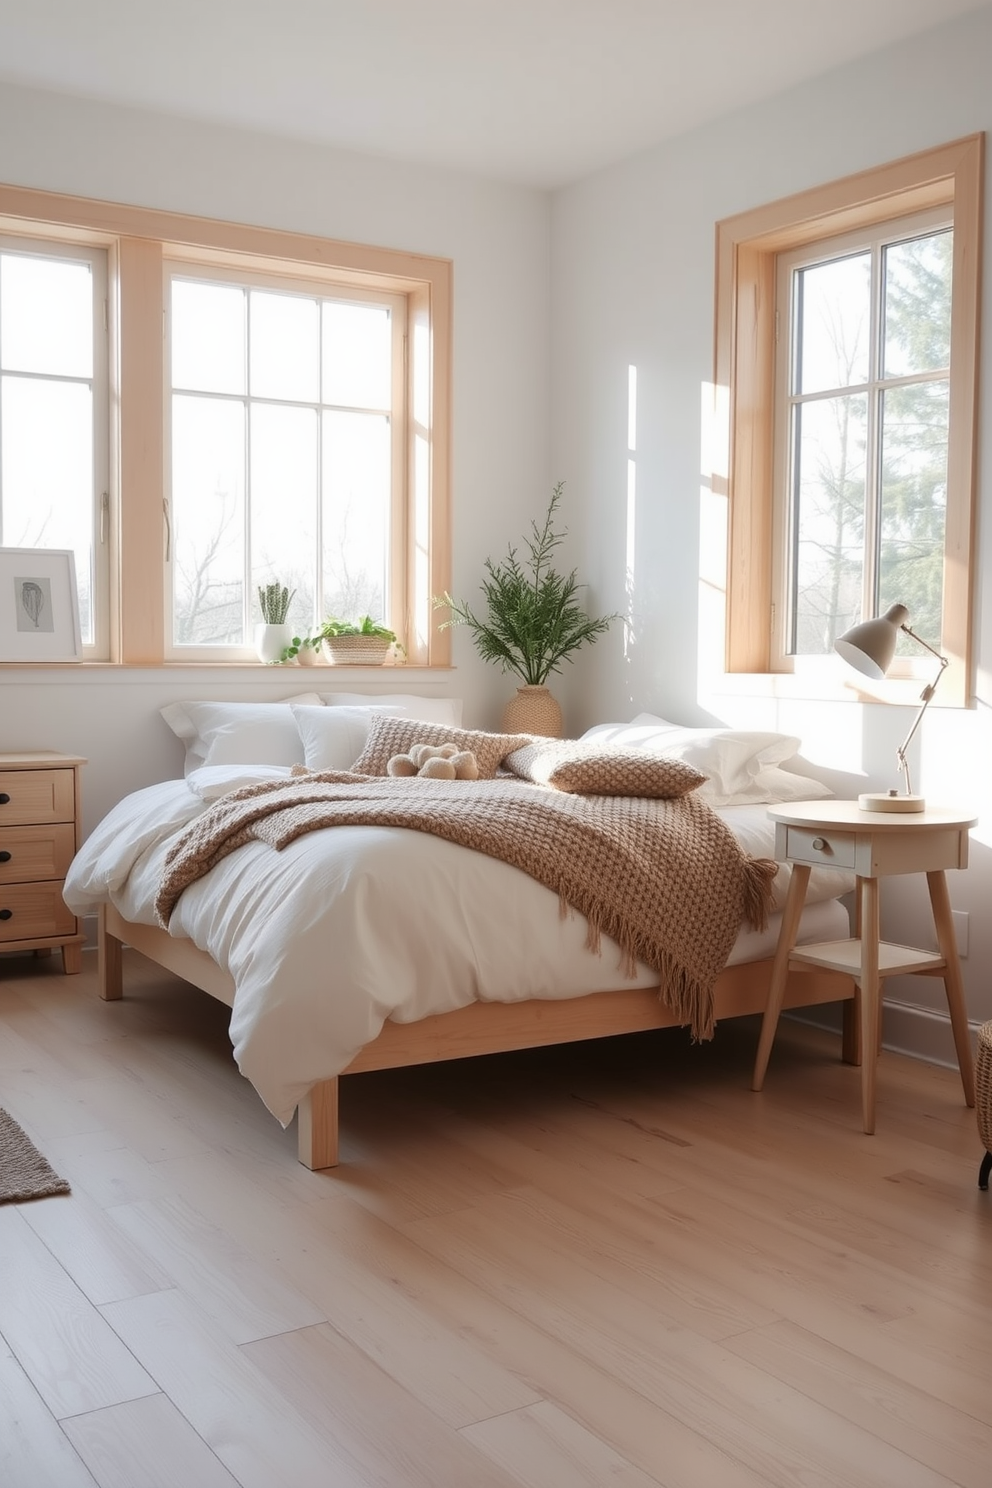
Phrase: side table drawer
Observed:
(828, 849)
(36, 796)
(30, 854)
(32, 911)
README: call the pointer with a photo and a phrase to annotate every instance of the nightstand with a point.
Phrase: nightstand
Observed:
(875, 844)
(39, 834)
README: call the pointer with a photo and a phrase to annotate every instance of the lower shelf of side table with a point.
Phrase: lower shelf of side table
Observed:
(845, 955)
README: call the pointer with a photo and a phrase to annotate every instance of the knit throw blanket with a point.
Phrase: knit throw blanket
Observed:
(666, 879)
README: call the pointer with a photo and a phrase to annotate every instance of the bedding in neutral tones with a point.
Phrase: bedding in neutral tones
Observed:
(328, 938)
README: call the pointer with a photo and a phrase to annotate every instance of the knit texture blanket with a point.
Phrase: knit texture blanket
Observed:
(666, 879)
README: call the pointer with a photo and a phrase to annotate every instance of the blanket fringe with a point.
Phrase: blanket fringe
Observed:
(759, 875)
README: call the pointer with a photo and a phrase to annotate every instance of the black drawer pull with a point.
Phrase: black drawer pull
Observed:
(4, 798)
(6, 914)
(4, 856)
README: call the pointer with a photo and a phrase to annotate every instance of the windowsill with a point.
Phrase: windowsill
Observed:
(823, 687)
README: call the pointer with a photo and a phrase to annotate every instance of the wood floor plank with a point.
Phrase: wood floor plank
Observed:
(257, 1433)
(544, 1448)
(34, 1452)
(75, 1361)
(145, 1442)
(949, 1440)
(90, 1248)
(337, 1387)
(218, 1276)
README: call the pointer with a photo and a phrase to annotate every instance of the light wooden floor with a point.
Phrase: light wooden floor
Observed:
(609, 1264)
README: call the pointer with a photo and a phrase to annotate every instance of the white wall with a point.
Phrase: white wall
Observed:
(633, 281)
(498, 238)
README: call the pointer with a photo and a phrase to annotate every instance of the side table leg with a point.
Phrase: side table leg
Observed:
(795, 899)
(943, 921)
(870, 999)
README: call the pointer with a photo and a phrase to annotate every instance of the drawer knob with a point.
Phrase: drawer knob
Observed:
(820, 844)
(4, 856)
(6, 914)
(4, 798)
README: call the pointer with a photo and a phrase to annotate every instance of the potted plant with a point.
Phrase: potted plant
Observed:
(304, 650)
(363, 642)
(275, 632)
(533, 623)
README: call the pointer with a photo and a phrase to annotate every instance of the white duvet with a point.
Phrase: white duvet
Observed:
(350, 926)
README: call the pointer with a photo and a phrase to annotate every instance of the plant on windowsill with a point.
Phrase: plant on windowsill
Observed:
(363, 642)
(533, 623)
(275, 632)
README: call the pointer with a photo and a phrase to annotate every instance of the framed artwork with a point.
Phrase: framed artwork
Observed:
(39, 608)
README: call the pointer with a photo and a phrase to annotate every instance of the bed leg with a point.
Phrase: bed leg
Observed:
(317, 1119)
(109, 968)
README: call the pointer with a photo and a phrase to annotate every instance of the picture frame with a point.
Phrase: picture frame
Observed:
(39, 605)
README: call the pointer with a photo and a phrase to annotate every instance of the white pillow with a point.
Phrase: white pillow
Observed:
(238, 733)
(428, 710)
(733, 759)
(333, 738)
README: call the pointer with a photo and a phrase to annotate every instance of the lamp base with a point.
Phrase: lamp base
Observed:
(890, 801)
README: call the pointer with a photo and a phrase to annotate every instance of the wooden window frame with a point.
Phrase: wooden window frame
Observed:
(747, 249)
(139, 242)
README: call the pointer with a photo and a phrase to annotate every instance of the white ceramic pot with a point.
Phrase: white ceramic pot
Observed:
(271, 641)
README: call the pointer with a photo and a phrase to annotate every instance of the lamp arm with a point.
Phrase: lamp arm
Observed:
(925, 697)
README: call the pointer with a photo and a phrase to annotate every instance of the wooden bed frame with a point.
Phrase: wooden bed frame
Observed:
(480, 1028)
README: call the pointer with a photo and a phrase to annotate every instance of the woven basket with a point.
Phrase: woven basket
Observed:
(357, 650)
(533, 710)
(983, 1085)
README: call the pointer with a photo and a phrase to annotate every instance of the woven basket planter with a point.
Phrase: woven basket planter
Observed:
(983, 1085)
(533, 710)
(356, 650)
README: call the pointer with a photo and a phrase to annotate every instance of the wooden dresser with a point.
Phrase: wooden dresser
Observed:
(39, 834)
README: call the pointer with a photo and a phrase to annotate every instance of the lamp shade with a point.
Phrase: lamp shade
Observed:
(870, 646)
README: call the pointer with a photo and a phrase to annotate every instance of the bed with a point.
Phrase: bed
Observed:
(371, 947)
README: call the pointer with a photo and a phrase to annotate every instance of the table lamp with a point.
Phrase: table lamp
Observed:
(869, 648)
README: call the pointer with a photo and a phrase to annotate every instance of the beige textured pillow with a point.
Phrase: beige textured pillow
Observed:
(389, 736)
(587, 769)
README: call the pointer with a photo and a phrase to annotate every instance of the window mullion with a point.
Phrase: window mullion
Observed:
(873, 452)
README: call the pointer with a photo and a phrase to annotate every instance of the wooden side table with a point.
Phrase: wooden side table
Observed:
(875, 844)
(40, 830)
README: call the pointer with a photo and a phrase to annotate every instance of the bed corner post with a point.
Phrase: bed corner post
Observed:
(317, 1132)
(109, 968)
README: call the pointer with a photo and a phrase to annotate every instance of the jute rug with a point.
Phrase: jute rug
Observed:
(24, 1173)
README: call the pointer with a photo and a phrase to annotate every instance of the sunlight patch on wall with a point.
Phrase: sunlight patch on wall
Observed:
(631, 516)
(713, 527)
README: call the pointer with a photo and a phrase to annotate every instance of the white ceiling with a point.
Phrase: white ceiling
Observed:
(539, 92)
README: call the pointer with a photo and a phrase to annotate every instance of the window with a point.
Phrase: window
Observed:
(279, 409)
(847, 343)
(286, 449)
(54, 443)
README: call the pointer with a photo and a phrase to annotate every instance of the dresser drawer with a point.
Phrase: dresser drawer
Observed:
(29, 854)
(36, 796)
(34, 911)
(829, 849)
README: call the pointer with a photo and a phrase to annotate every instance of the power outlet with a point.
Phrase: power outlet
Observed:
(960, 918)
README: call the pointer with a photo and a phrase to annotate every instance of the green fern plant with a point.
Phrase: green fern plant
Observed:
(533, 620)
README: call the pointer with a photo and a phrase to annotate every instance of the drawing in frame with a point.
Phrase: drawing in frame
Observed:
(39, 607)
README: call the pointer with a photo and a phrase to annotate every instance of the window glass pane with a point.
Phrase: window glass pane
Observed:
(914, 506)
(46, 315)
(47, 474)
(833, 324)
(208, 487)
(918, 304)
(356, 355)
(285, 350)
(208, 337)
(355, 499)
(829, 486)
(284, 507)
